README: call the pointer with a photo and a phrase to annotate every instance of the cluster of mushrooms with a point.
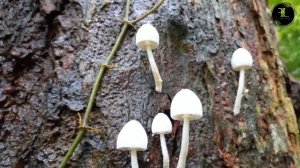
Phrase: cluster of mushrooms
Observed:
(185, 106)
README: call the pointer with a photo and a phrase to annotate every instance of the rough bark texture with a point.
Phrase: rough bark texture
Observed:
(49, 56)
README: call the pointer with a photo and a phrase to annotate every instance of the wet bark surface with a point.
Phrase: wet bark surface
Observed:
(50, 53)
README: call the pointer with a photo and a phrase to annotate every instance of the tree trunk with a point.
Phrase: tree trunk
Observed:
(50, 51)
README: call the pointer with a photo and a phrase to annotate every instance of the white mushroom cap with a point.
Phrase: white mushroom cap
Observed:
(186, 104)
(147, 35)
(161, 124)
(132, 137)
(241, 59)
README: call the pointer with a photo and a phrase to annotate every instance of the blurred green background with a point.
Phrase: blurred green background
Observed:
(289, 46)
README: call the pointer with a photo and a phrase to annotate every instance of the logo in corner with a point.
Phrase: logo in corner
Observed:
(283, 14)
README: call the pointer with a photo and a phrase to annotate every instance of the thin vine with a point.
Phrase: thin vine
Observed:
(84, 123)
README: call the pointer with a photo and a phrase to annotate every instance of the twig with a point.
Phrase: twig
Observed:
(91, 129)
(156, 6)
(83, 127)
(94, 91)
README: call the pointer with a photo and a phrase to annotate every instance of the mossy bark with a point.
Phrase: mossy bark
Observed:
(50, 53)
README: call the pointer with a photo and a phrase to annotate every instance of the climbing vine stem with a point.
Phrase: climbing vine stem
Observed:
(103, 67)
(156, 6)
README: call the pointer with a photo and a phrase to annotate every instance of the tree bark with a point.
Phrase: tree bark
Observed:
(50, 53)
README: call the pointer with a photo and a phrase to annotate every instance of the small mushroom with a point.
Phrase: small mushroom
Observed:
(241, 60)
(185, 106)
(162, 125)
(133, 138)
(147, 38)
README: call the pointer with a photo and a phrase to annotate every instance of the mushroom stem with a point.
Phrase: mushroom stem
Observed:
(134, 161)
(164, 151)
(156, 75)
(238, 99)
(184, 143)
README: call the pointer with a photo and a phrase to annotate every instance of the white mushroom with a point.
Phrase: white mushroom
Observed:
(162, 125)
(133, 138)
(147, 38)
(185, 106)
(241, 60)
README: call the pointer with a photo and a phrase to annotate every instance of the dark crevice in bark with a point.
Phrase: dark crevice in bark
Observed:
(52, 27)
(293, 90)
(23, 64)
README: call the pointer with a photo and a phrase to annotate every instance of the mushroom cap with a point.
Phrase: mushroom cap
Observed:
(132, 137)
(241, 59)
(186, 104)
(147, 35)
(161, 124)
